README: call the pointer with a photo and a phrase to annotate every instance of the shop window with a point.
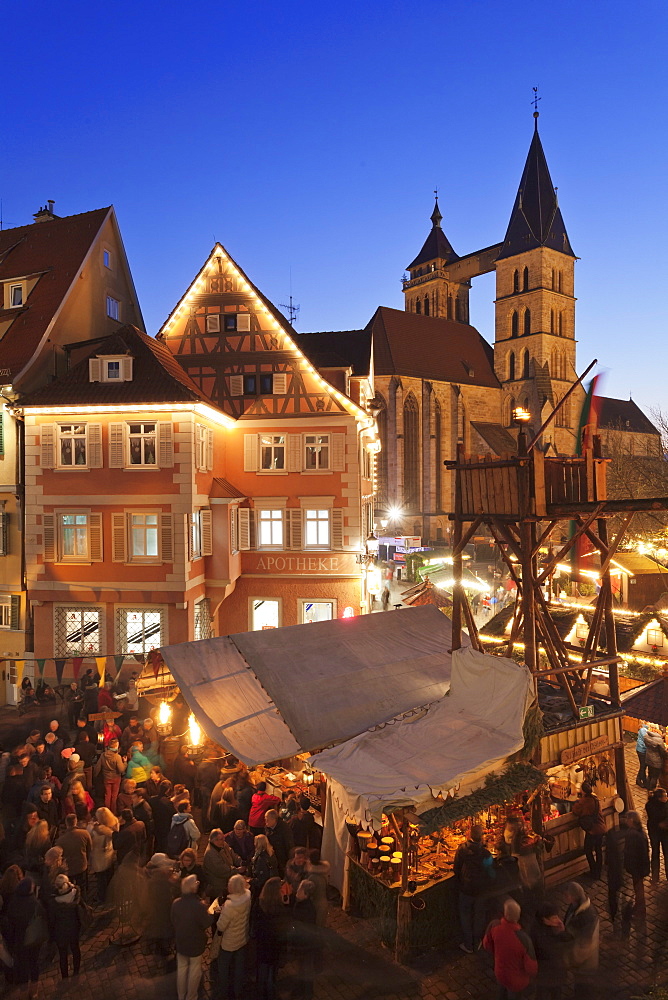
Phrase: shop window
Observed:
(316, 611)
(270, 528)
(77, 630)
(316, 451)
(264, 614)
(317, 531)
(139, 630)
(272, 452)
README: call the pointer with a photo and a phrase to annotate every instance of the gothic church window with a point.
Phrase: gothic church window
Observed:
(511, 366)
(458, 311)
(418, 306)
(510, 410)
(438, 442)
(411, 453)
(527, 321)
(525, 280)
(449, 306)
(516, 281)
(381, 457)
(561, 324)
(525, 365)
(426, 305)
(552, 320)
(514, 324)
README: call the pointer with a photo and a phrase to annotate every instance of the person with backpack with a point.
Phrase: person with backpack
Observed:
(472, 870)
(182, 833)
(587, 809)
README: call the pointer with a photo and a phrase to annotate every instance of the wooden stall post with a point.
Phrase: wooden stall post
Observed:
(402, 943)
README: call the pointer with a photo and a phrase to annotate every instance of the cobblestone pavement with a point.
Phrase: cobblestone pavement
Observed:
(357, 966)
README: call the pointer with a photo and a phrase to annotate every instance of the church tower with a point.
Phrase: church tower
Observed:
(430, 289)
(534, 348)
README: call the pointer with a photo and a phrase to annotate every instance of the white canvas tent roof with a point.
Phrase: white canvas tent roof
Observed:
(271, 694)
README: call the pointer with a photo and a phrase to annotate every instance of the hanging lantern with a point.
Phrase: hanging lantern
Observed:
(164, 719)
(195, 731)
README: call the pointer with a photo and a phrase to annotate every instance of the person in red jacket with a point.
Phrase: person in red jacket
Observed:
(515, 962)
(260, 803)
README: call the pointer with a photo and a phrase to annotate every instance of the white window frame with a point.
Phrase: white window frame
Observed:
(318, 441)
(278, 442)
(113, 308)
(303, 601)
(72, 437)
(234, 529)
(13, 285)
(274, 600)
(5, 611)
(212, 323)
(148, 642)
(195, 533)
(143, 435)
(82, 609)
(60, 535)
(658, 639)
(145, 558)
(201, 447)
(107, 258)
(274, 518)
(323, 516)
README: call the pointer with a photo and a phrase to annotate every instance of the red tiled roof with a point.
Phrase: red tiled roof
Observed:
(426, 347)
(157, 377)
(56, 249)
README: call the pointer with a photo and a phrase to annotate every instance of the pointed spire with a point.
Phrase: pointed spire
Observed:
(437, 245)
(536, 219)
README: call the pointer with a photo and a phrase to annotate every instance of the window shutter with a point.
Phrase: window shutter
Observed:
(250, 452)
(116, 446)
(48, 442)
(207, 532)
(95, 446)
(339, 452)
(49, 537)
(243, 322)
(166, 538)
(234, 532)
(15, 613)
(295, 459)
(165, 445)
(94, 369)
(209, 448)
(126, 369)
(246, 524)
(337, 529)
(236, 385)
(4, 534)
(118, 537)
(294, 525)
(95, 521)
(280, 383)
(188, 535)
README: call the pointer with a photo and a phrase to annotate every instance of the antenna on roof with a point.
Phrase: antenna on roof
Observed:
(291, 307)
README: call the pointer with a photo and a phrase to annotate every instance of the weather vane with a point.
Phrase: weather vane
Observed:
(535, 101)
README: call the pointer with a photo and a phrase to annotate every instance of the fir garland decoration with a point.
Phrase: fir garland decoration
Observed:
(516, 778)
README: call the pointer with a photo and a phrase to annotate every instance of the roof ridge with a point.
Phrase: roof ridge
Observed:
(56, 219)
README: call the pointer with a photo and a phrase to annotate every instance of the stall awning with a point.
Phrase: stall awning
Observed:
(649, 702)
(454, 743)
(271, 694)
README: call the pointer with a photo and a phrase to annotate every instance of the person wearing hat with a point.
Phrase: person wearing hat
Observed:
(65, 923)
(190, 920)
(260, 803)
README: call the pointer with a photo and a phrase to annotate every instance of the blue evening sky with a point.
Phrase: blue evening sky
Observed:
(308, 138)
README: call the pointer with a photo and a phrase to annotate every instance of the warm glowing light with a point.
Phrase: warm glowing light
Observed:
(394, 513)
(195, 731)
(164, 713)
(521, 415)
(348, 612)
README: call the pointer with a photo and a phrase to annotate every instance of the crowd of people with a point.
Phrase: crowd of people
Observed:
(190, 855)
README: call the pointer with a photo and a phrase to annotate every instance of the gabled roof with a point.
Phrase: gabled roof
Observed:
(436, 245)
(338, 349)
(649, 702)
(409, 344)
(536, 219)
(157, 377)
(499, 438)
(55, 250)
(624, 415)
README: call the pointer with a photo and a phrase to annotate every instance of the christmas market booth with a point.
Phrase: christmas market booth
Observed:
(408, 752)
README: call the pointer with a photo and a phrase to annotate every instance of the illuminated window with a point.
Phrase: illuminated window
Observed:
(270, 528)
(317, 529)
(77, 630)
(272, 452)
(139, 630)
(317, 451)
(74, 537)
(141, 444)
(654, 637)
(113, 307)
(316, 611)
(15, 296)
(581, 630)
(5, 610)
(72, 445)
(143, 536)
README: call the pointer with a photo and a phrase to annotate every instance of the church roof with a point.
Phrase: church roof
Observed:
(536, 219)
(417, 346)
(338, 349)
(436, 245)
(624, 415)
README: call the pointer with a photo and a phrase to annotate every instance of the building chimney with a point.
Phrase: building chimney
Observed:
(45, 213)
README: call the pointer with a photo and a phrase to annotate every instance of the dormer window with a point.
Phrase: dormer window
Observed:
(110, 368)
(15, 294)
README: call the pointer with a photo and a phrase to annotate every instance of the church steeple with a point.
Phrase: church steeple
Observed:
(430, 289)
(536, 219)
(436, 246)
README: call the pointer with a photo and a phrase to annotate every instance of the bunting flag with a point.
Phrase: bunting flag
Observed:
(100, 663)
(76, 666)
(155, 659)
(40, 666)
(60, 666)
(118, 660)
(18, 666)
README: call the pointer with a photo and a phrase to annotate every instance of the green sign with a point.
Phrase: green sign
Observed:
(586, 711)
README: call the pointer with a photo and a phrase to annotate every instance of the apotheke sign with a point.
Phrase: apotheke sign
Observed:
(342, 564)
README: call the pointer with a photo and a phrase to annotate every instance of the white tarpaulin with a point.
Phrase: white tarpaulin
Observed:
(270, 694)
(453, 743)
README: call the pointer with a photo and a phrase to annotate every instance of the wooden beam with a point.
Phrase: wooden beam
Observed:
(606, 508)
(545, 534)
(564, 549)
(467, 536)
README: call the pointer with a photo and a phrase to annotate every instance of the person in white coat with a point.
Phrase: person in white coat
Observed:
(233, 931)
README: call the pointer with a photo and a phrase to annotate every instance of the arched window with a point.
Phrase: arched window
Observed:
(510, 410)
(554, 364)
(514, 324)
(561, 419)
(418, 306)
(516, 281)
(449, 306)
(561, 324)
(525, 280)
(527, 321)
(552, 320)
(438, 447)
(426, 305)
(525, 403)
(411, 454)
(559, 277)
(381, 457)
(511, 366)
(525, 365)
(458, 310)
(554, 279)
